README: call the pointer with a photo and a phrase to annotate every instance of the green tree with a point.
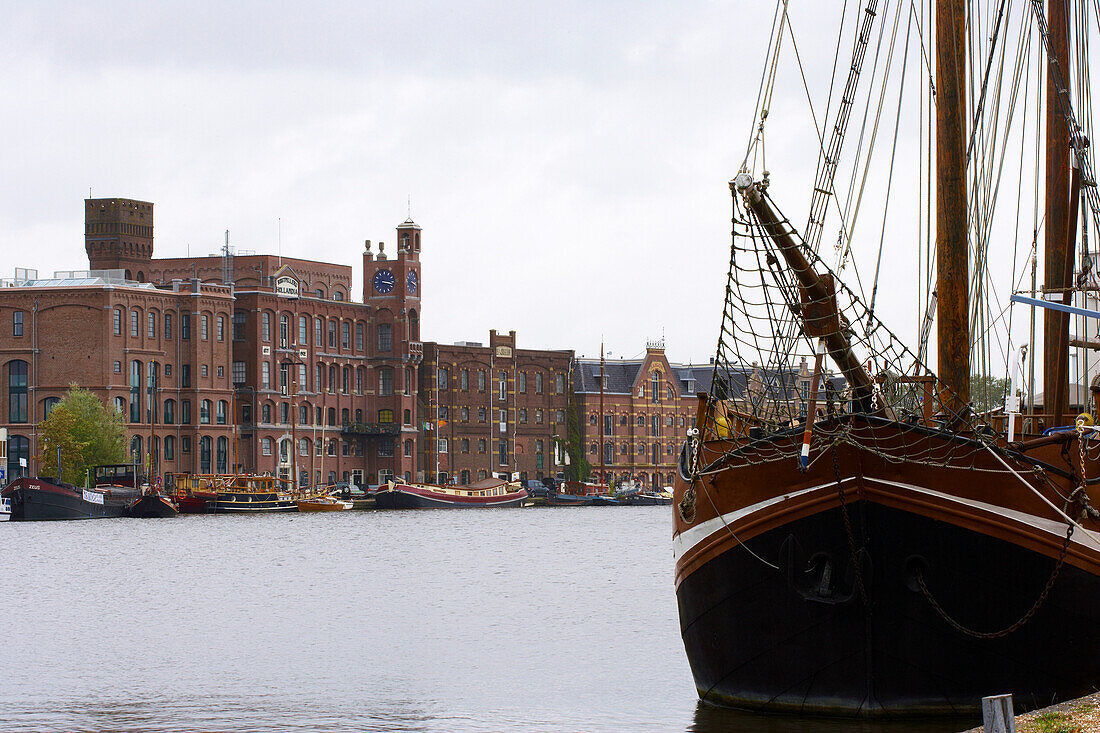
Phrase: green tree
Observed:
(987, 392)
(579, 469)
(88, 434)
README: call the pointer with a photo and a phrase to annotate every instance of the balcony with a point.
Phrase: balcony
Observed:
(415, 354)
(371, 428)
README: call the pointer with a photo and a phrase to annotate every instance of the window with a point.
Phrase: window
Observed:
(668, 421)
(135, 391)
(169, 412)
(481, 414)
(608, 452)
(303, 414)
(185, 414)
(135, 322)
(318, 332)
(655, 387)
(185, 330)
(167, 330)
(465, 477)
(502, 385)
(408, 448)
(538, 417)
(444, 413)
(204, 412)
(169, 448)
(622, 419)
(443, 379)
(318, 378)
(408, 417)
(385, 416)
(151, 323)
(266, 446)
(303, 447)
(223, 407)
(465, 412)
(345, 335)
(655, 426)
(223, 454)
(238, 372)
(641, 449)
(221, 330)
(185, 444)
(332, 378)
(502, 451)
(538, 383)
(265, 375)
(465, 445)
(559, 384)
(238, 325)
(385, 337)
(167, 370)
(284, 413)
(385, 448)
(265, 414)
(204, 327)
(358, 336)
(559, 416)
(332, 334)
(480, 380)
(608, 424)
(521, 378)
(359, 371)
(118, 322)
(204, 370)
(385, 381)
(48, 405)
(464, 380)
(265, 326)
(346, 374)
(481, 445)
(118, 367)
(17, 323)
(303, 330)
(523, 415)
(443, 445)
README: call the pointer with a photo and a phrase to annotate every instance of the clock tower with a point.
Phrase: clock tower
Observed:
(394, 283)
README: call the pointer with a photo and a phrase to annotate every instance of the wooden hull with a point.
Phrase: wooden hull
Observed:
(418, 497)
(781, 611)
(320, 505)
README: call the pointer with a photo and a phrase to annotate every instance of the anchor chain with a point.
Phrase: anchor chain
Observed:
(848, 529)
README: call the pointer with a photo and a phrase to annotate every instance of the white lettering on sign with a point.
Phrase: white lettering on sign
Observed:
(93, 497)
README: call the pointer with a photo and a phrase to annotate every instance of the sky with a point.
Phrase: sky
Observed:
(568, 161)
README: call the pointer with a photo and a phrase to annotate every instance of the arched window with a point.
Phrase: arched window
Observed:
(358, 416)
(284, 450)
(47, 406)
(385, 381)
(303, 414)
(345, 335)
(169, 447)
(266, 446)
(332, 378)
(414, 326)
(465, 477)
(120, 405)
(169, 412)
(204, 454)
(204, 412)
(284, 331)
(332, 334)
(346, 379)
(223, 407)
(135, 391)
(345, 416)
(303, 446)
(135, 448)
(408, 448)
(359, 373)
(655, 386)
(265, 326)
(538, 383)
(265, 414)
(135, 323)
(223, 454)
(284, 413)
(319, 378)
(19, 446)
(332, 416)
(358, 336)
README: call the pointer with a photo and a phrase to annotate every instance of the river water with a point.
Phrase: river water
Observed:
(538, 619)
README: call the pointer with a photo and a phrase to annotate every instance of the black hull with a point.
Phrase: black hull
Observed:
(32, 505)
(253, 503)
(763, 639)
(152, 506)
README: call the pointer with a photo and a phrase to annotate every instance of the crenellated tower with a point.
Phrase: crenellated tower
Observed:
(118, 234)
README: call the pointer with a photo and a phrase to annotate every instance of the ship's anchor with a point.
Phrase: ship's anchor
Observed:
(817, 579)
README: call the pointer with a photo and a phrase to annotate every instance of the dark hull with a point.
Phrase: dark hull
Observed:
(556, 499)
(792, 641)
(33, 504)
(401, 499)
(646, 500)
(253, 503)
(153, 506)
(196, 504)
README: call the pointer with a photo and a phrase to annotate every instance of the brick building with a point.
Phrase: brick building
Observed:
(285, 372)
(492, 410)
(633, 426)
(158, 354)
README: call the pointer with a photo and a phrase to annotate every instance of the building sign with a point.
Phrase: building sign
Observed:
(287, 286)
(93, 497)
(504, 352)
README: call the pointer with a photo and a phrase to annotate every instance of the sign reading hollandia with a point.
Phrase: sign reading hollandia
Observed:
(286, 283)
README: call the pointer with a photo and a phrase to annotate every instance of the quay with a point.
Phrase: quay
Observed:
(1072, 716)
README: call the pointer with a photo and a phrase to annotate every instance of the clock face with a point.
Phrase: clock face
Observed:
(410, 281)
(384, 281)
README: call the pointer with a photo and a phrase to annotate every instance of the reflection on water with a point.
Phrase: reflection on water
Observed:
(711, 719)
(540, 620)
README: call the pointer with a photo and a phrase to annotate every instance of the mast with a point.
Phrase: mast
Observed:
(952, 278)
(603, 419)
(1056, 254)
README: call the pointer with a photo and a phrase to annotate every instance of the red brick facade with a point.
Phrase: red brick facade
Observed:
(635, 427)
(492, 410)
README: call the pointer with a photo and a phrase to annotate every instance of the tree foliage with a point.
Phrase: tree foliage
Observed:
(88, 434)
(987, 392)
(579, 469)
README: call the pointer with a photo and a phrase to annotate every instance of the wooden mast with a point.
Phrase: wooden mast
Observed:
(1056, 255)
(952, 318)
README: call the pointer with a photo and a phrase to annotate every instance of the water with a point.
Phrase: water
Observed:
(525, 619)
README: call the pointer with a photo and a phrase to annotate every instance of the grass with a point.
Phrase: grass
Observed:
(1050, 723)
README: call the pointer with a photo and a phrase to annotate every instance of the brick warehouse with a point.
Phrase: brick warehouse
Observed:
(271, 346)
(493, 410)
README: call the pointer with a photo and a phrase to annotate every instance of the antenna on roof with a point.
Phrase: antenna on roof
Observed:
(409, 207)
(280, 241)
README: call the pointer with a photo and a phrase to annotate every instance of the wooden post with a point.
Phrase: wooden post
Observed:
(997, 715)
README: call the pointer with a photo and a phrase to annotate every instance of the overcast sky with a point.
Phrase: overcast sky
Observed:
(568, 161)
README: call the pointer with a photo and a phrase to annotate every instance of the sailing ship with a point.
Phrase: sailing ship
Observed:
(898, 547)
